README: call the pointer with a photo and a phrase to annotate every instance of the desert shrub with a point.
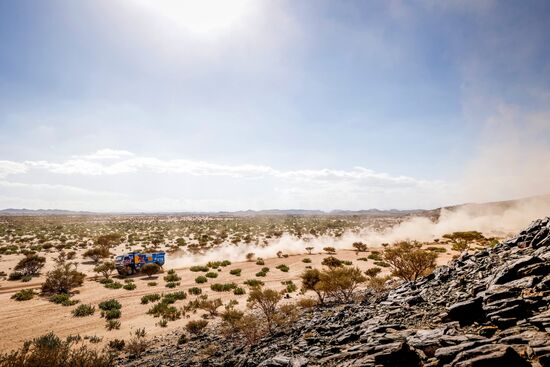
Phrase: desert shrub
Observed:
(260, 262)
(264, 300)
(96, 254)
(113, 285)
(306, 260)
(209, 305)
(377, 283)
(226, 287)
(329, 250)
(286, 315)
(198, 268)
(105, 269)
(408, 261)
(116, 344)
(150, 298)
(261, 274)
(239, 291)
(62, 279)
(130, 286)
(49, 351)
(331, 262)
(254, 282)
(196, 327)
(250, 256)
(195, 291)
(23, 295)
(201, 279)
(172, 284)
(284, 268)
(30, 265)
(26, 278)
(307, 303)
(62, 299)
(340, 283)
(112, 324)
(347, 262)
(152, 284)
(372, 272)
(83, 310)
(111, 314)
(375, 255)
(138, 344)
(362, 259)
(105, 281)
(236, 272)
(182, 339)
(165, 310)
(290, 286)
(382, 264)
(173, 297)
(211, 274)
(172, 276)
(111, 304)
(310, 278)
(150, 269)
(359, 247)
(162, 323)
(15, 276)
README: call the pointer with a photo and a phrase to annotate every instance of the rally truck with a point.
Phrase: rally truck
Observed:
(132, 262)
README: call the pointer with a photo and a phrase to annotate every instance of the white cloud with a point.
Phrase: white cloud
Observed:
(107, 154)
(11, 168)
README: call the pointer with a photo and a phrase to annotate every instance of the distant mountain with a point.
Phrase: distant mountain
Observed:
(11, 211)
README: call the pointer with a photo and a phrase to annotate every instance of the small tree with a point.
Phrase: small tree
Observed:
(30, 265)
(309, 249)
(310, 278)
(279, 254)
(409, 261)
(97, 253)
(359, 247)
(329, 250)
(250, 256)
(62, 279)
(340, 283)
(150, 269)
(106, 269)
(266, 301)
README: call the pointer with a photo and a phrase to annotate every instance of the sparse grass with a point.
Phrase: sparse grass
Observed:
(83, 310)
(150, 298)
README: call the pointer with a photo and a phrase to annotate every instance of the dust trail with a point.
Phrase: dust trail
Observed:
(498, 219)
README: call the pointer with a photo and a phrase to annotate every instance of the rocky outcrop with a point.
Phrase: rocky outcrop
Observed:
(490, 308)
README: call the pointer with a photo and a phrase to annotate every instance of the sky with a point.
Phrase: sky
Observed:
(167, 105)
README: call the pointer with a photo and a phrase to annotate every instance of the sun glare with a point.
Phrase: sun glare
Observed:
(202, 17)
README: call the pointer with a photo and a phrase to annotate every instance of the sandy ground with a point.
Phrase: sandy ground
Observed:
(28, 319)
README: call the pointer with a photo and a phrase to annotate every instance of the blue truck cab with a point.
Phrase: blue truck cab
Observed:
(132, 262)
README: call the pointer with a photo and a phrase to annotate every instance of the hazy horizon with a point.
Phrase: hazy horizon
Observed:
(188, 106)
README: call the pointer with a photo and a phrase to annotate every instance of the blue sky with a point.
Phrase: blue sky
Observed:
(225, 105)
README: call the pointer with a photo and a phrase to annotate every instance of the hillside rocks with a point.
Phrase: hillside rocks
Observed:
(485, 309)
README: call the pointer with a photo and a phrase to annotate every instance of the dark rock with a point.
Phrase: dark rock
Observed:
(489, 356)
(467, 312)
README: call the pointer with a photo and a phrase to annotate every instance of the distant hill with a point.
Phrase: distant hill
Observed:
(496, 207)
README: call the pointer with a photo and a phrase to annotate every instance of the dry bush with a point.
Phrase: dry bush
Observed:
(332, 262)
(266, 301)
(286, 315)
(97, 253)
(196, 327)
(359, 247)
(62, 279)
(50, 351)
(329, 250)
(30, 265)
(310, 278)
(409, 261)
(340, 283)
(307, 303)
(137, 345)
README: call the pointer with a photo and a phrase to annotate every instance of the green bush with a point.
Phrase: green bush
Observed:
(62, 299)
(236, 272)
(196, 327)
(111, 314)
(239, 291)
(172, 276)
(83, 310)
(116, 344)
(195, 291)
(112, 325)
(173, 297)
(217, 287)
(150, 298)
(129, 286)
(260, 262)
(201, 279)
(23, 295)
(261, 274)
(283, 268)
(113, 285)
(254, 282)
(306, 260)
(198, 268)
(172, 284)
(111, 304)
(152, 284)
(211, 274)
